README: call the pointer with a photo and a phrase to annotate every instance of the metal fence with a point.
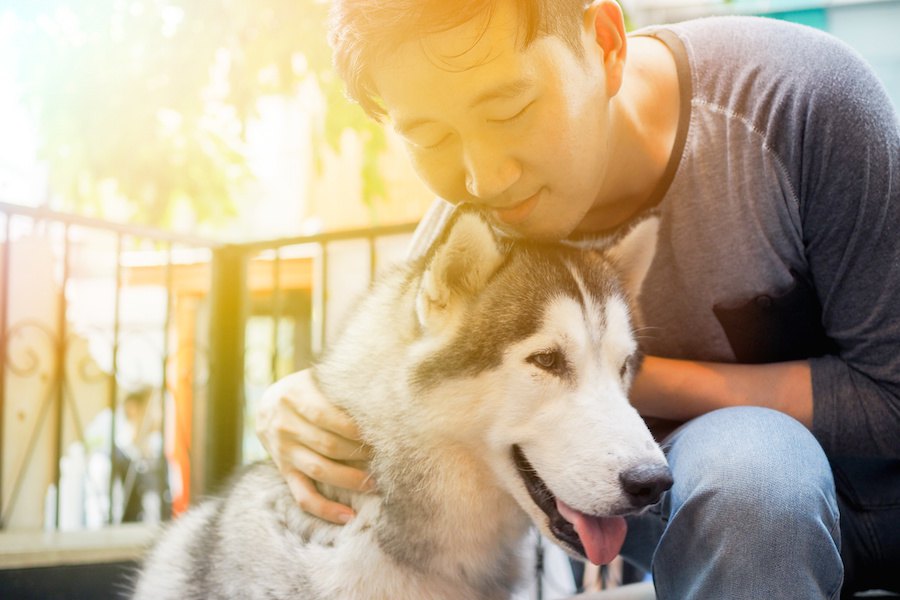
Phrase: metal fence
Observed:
(89, 369)
(131, 357)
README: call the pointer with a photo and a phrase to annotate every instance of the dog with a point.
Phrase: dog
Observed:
(490, 379)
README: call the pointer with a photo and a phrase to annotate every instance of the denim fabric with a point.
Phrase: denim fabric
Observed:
(753, 513)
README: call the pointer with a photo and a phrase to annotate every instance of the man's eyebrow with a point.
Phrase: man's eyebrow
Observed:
(507, 90)
(404, 126)
(504, 91)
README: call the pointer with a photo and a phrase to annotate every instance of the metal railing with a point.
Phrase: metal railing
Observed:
(61, 304)
(126, 385)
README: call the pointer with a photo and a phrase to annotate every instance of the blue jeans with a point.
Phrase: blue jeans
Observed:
(753, 513)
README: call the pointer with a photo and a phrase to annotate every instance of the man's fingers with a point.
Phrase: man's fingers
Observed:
(321, 469)
(292, 427)
(313, 407)
(307, 438)
(312, 502)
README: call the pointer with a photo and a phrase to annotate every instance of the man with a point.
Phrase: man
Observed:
(772, 155)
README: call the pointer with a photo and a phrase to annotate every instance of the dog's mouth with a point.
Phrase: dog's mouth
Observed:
(597, 538)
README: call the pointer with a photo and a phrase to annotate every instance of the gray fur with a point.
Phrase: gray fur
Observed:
(414, 367)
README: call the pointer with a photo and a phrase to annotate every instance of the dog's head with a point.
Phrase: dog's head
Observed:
(531, 350)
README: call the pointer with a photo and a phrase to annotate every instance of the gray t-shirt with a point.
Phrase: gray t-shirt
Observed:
(780, 221)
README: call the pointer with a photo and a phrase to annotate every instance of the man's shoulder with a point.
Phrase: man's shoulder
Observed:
(719, 44)
(760, 48)
(774, 76)
(743, 32)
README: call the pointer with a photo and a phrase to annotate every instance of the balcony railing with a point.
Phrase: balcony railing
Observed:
(131, 357)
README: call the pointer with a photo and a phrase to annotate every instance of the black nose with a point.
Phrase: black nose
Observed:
(644, 484)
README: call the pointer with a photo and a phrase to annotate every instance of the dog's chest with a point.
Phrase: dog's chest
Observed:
(383, 577)
(412, 552)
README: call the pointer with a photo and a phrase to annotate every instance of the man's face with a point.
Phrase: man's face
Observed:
(521, 132)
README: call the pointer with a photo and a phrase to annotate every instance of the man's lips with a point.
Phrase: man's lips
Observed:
(517, 213)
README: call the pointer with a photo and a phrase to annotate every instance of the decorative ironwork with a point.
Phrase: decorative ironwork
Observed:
(50, 361)
(41, 352)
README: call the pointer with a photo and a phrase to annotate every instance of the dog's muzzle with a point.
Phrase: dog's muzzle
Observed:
(595, 537)
(546, 501)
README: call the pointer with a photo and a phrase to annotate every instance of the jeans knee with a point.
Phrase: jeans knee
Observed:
(752, 486)
(752, 462)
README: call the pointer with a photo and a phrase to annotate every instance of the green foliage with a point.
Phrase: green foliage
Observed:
(147, 101)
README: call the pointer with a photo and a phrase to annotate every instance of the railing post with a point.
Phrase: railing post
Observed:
(5, 249)
(224, 415)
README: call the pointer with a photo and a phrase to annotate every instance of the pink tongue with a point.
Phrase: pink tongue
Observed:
(602, 537)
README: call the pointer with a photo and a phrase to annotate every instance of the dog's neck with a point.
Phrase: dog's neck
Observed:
(474, 535)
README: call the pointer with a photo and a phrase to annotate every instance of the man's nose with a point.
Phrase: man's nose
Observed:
(489, 171)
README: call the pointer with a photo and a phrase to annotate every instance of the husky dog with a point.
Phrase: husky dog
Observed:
(490, 378)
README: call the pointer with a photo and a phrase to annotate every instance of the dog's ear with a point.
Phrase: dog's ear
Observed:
(633, 253)
(459, 267)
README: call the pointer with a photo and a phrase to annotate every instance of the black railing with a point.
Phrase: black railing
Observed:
(205, 306)
(52, 382)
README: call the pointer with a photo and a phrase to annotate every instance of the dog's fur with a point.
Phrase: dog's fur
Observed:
(490, 378)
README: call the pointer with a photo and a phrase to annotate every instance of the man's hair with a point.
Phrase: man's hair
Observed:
(362, 32)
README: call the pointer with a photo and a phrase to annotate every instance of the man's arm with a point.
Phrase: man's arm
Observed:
(849, 182)
(679, 390)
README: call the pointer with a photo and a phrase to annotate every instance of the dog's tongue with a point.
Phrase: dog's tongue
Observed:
(602, 537)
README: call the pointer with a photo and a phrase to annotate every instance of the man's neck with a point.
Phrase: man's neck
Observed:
(645, 116)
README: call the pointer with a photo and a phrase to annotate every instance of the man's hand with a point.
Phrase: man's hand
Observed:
(311, 441)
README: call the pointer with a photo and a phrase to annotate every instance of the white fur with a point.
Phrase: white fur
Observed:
(443, 461)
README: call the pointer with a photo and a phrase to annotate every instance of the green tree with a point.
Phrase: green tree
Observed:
(149, 99)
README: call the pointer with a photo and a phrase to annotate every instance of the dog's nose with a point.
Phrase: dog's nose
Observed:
(644, 484)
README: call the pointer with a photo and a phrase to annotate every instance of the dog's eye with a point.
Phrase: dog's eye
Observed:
(550, 360)
(623, 370)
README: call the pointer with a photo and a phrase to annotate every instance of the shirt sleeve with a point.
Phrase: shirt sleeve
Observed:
(850, 209)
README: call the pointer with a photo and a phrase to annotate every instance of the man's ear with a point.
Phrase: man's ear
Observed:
(633, 253)
(604, 26)
(458, 269)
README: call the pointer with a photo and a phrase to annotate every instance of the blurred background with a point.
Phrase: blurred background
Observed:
(188, 204)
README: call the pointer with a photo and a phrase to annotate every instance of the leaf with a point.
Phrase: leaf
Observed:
(150, 99)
